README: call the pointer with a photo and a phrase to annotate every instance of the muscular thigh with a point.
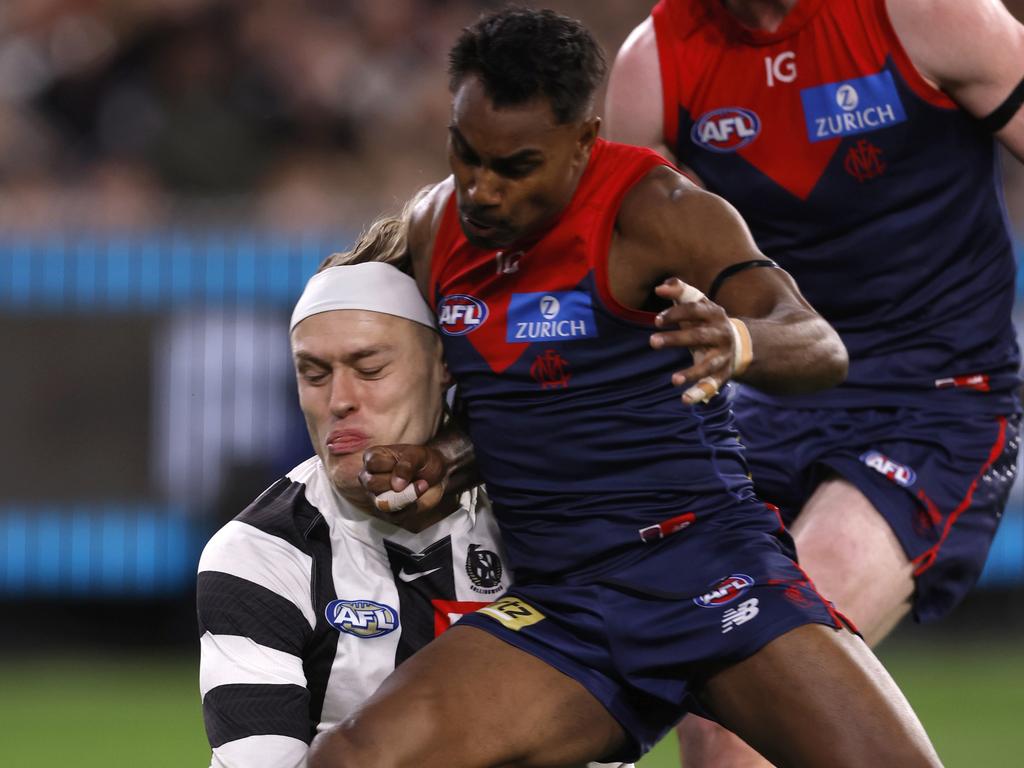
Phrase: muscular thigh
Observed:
(470, 699)
(854, 558)
(816, 696)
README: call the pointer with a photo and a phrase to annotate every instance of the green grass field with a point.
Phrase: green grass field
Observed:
(143, 712)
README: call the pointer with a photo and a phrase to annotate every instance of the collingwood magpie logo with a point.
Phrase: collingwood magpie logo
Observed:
(484, 570)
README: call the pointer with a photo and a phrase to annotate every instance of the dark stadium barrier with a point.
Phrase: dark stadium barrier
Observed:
(148, 397)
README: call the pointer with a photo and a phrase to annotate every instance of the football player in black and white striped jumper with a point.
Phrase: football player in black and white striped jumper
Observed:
(307, 599)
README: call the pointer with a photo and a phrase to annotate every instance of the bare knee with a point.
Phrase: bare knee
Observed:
(704, 743)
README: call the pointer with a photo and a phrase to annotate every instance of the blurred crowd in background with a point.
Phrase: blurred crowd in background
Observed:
(127, 114)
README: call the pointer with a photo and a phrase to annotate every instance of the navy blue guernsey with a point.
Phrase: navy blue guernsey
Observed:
(580, 436)
(869, 186)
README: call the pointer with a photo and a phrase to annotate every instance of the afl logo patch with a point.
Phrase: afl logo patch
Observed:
(900, 474)
(726, 129)
(725, 591)
(484, 569)
(460, 314)
(362, 618)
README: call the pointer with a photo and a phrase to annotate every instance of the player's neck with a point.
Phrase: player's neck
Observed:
(764, 15)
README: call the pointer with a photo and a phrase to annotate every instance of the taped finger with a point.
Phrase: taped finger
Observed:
(392, 501)
(702, 391)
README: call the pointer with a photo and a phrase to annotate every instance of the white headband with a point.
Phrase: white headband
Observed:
(373, 286)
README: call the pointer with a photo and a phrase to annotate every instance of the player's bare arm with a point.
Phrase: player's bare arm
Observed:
(634, 109)
(941, 38)
(668, 228)
(445, 466)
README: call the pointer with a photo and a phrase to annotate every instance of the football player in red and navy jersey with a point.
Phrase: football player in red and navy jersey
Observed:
(649, 579)
(857, 139)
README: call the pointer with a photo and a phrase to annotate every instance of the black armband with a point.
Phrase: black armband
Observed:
(1001, 115)
(732, 269)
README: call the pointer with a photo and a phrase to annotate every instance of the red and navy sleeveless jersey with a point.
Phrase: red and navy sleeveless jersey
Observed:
(867, 184)
(580, 436)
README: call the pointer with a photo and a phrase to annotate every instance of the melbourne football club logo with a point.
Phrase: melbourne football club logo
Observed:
(460, 314)
(362, 618)
(553, 316)
(726, 129)
(484, 569)
(725, 591)
(852, 106)
(864, 161)
(898, 473)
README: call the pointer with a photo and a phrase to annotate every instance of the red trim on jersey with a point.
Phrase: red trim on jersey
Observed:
(934, 516)
(448, 232)
(603, 231)
(927, 559)
(444, 608)
(661, 19)
(914, 79)
(778, 515)
(841, 619)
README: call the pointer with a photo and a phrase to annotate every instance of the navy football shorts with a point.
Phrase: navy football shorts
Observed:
(643, 638)
(940, 480)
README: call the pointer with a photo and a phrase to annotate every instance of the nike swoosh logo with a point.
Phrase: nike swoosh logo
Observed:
(407, 577)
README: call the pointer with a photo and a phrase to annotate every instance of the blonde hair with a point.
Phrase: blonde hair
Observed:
(385, 240)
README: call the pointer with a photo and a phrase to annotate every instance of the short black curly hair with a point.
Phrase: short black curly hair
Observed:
(522, 53)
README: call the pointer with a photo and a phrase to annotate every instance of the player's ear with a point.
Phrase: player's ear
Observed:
(589, 130)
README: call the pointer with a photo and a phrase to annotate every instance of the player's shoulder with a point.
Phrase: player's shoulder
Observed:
(639, 45)
(660, 202)
(285, 511)
(425, 218)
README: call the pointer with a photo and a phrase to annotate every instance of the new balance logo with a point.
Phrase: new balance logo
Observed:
(407, 577)
(741, 614)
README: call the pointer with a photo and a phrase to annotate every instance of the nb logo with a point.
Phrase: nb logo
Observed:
(781, 68)
(741, 614)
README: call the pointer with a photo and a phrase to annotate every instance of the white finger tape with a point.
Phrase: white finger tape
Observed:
(688, 295)
(392, 501)
(702, 391)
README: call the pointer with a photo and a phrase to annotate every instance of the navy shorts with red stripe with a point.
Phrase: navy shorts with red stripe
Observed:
(643, 637)
(941, 480)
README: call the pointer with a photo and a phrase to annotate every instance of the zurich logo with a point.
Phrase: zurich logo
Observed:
(460, 314)
(725, 591)
(362, 618)
(549, 307)
(726, 129)
(847, 98)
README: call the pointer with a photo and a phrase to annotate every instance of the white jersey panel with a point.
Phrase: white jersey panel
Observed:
(366, 575)
(263, 750)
